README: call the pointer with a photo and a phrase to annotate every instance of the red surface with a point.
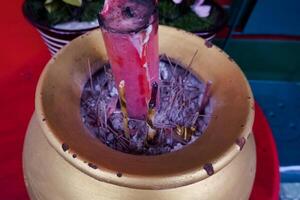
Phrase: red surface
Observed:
(23, 56)
(266, 185)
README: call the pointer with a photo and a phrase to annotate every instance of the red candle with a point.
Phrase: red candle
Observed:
(129, 29)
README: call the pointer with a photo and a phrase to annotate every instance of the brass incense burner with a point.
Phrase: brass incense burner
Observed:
(62, 161)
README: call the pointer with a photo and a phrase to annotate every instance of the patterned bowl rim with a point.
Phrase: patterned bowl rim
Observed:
(38, 25)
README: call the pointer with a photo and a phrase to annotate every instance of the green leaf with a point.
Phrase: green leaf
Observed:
(77, 3)
(168, 10)
(48, 2)
(51, 5)
(181, 16)
(91, 10)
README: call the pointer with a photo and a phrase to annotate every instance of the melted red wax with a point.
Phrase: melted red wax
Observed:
(127, 65)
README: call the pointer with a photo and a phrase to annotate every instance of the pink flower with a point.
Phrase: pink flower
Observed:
(200, 9)
(177, 1)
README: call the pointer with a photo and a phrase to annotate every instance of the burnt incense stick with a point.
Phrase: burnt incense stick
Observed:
(123, 107)
(151, 133)
(151, 111)
(152, 102)
(185, 132)
(91, 75)
(192, 60)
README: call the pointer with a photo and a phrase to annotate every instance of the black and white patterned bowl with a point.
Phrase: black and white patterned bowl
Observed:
(54, 38)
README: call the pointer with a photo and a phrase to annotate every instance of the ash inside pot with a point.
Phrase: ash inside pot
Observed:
(184, 104)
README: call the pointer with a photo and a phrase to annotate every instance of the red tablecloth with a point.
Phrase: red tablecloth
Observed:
(23, 56)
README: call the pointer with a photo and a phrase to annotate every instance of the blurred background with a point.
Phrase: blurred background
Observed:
(262, 36)
(264, 41)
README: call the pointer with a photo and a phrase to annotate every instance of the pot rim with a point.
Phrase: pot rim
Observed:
(158, 175)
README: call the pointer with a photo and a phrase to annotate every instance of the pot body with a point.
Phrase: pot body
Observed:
(48, 176)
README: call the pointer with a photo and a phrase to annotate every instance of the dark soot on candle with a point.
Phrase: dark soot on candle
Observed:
(128, 16)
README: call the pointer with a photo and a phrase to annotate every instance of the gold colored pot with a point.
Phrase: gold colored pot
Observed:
(62, 161)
